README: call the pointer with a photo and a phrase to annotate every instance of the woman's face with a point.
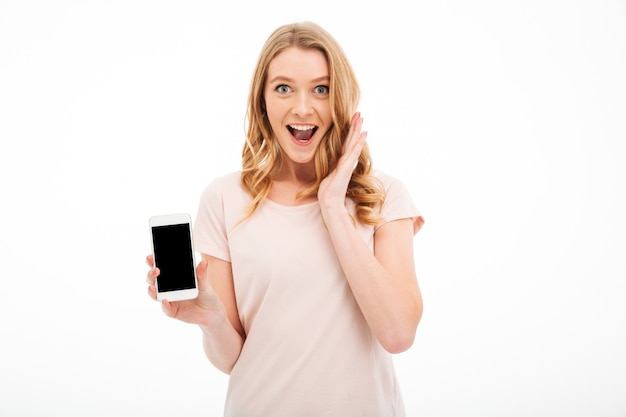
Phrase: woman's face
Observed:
(297, 101)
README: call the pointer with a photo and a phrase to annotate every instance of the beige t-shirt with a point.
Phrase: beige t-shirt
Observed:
(308, 350)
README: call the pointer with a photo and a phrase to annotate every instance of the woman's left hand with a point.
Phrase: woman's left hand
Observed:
(332, 191)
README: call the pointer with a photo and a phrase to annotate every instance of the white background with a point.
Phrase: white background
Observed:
(505, 119)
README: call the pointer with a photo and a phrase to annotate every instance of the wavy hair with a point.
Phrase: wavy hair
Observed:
(262, 157)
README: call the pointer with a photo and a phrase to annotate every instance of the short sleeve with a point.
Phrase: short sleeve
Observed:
(398, 203)
(210, 235)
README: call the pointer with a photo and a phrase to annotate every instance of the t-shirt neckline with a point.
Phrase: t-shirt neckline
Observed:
(297, 208)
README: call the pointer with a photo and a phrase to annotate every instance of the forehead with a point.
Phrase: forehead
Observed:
(298, 64)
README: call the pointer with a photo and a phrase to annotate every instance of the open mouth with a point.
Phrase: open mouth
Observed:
(302, 133)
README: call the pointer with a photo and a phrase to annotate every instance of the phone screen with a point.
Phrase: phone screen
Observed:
(174, 257)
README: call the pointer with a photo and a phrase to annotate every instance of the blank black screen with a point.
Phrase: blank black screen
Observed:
(173, 256)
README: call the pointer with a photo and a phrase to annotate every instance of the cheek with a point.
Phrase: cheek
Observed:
(274, 113)
(275, 121)
(326, 115)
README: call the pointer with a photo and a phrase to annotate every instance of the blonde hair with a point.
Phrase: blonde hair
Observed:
(262, 156)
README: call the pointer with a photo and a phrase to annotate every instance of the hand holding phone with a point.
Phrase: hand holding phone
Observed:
(172, 246)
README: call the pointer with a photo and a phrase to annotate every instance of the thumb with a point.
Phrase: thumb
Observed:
(167, 308)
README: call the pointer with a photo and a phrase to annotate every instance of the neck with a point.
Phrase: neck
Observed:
(301, 174)
(291, 181)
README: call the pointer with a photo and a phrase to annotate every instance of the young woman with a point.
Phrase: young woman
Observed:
(307, 280)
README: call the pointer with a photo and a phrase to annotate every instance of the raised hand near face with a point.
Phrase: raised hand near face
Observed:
(332, 191)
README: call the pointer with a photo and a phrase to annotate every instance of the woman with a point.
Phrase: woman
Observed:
(307, 281)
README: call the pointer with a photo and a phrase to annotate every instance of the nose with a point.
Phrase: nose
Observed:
(303, 104)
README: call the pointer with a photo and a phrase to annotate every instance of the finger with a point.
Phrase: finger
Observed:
(353, 150)
(355, 118)
(357, 137)
(356, 152)
(356, 144)
(168, 308)
(150, 260)
(355, 129)
(152, 275)
(152, 292)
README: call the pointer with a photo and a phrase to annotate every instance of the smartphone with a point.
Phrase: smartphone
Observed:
(172, 247)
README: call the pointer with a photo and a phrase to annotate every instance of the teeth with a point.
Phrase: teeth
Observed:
(301, 127)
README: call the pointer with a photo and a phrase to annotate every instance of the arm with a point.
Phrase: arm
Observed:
(223, 339)
(214, 311)
(384, 282)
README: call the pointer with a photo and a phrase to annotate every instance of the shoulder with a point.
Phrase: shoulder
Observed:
(223, 185)
(390, 183)
(398, 202)
(225, 194)
(223, 200)
(227, 180)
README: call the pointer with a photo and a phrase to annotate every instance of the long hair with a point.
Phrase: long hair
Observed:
(262, 156)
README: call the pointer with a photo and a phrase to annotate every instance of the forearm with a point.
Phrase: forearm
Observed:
(389, 299)
(222, 343)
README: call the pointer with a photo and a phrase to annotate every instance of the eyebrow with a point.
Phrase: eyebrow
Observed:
(290, 80)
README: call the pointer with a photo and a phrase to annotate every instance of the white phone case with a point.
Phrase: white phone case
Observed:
(172, 247)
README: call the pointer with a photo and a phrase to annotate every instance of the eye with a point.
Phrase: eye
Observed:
(283, 88)
(321, 89)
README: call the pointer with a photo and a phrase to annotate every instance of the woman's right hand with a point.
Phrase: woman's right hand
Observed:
(201, 310)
